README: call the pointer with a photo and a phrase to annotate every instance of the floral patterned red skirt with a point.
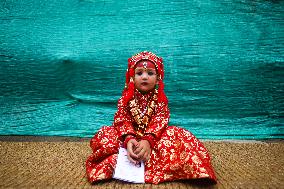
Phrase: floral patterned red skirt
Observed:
(177, 155)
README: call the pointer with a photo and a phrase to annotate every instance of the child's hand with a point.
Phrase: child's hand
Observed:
(131, 146)
(143, 151)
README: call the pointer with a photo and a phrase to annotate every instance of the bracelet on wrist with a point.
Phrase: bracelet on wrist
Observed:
(127, 139)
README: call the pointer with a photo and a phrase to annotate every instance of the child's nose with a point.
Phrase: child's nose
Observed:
(144, 75)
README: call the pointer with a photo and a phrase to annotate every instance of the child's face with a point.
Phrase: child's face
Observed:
(145, 77)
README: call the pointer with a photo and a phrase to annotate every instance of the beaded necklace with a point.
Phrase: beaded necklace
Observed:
(142, 118)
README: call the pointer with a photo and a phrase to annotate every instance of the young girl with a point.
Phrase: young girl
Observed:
(141, 126)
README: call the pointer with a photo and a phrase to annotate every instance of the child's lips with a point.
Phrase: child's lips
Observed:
(144, 83)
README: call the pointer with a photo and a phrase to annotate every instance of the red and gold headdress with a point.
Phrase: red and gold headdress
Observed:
(128, 92)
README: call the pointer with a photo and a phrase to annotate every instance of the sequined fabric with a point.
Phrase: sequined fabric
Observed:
(177, 153)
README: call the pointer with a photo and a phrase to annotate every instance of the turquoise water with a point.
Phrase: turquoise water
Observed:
(62, 64)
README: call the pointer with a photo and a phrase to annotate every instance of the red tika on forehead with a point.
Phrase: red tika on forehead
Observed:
(145, 64)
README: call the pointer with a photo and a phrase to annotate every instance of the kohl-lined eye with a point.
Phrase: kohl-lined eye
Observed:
(139, 73)
(151, 73)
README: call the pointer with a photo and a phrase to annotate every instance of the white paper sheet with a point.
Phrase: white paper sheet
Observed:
(127, 171)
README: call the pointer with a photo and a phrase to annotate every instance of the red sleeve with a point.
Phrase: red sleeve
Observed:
(123, 121)
(159, 121)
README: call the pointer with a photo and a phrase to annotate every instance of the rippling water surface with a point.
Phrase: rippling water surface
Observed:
(62, 64)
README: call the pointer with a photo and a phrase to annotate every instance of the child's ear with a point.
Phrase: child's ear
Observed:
(157, 82)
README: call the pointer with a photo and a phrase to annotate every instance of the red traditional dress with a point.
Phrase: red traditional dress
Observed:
(176, 153)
